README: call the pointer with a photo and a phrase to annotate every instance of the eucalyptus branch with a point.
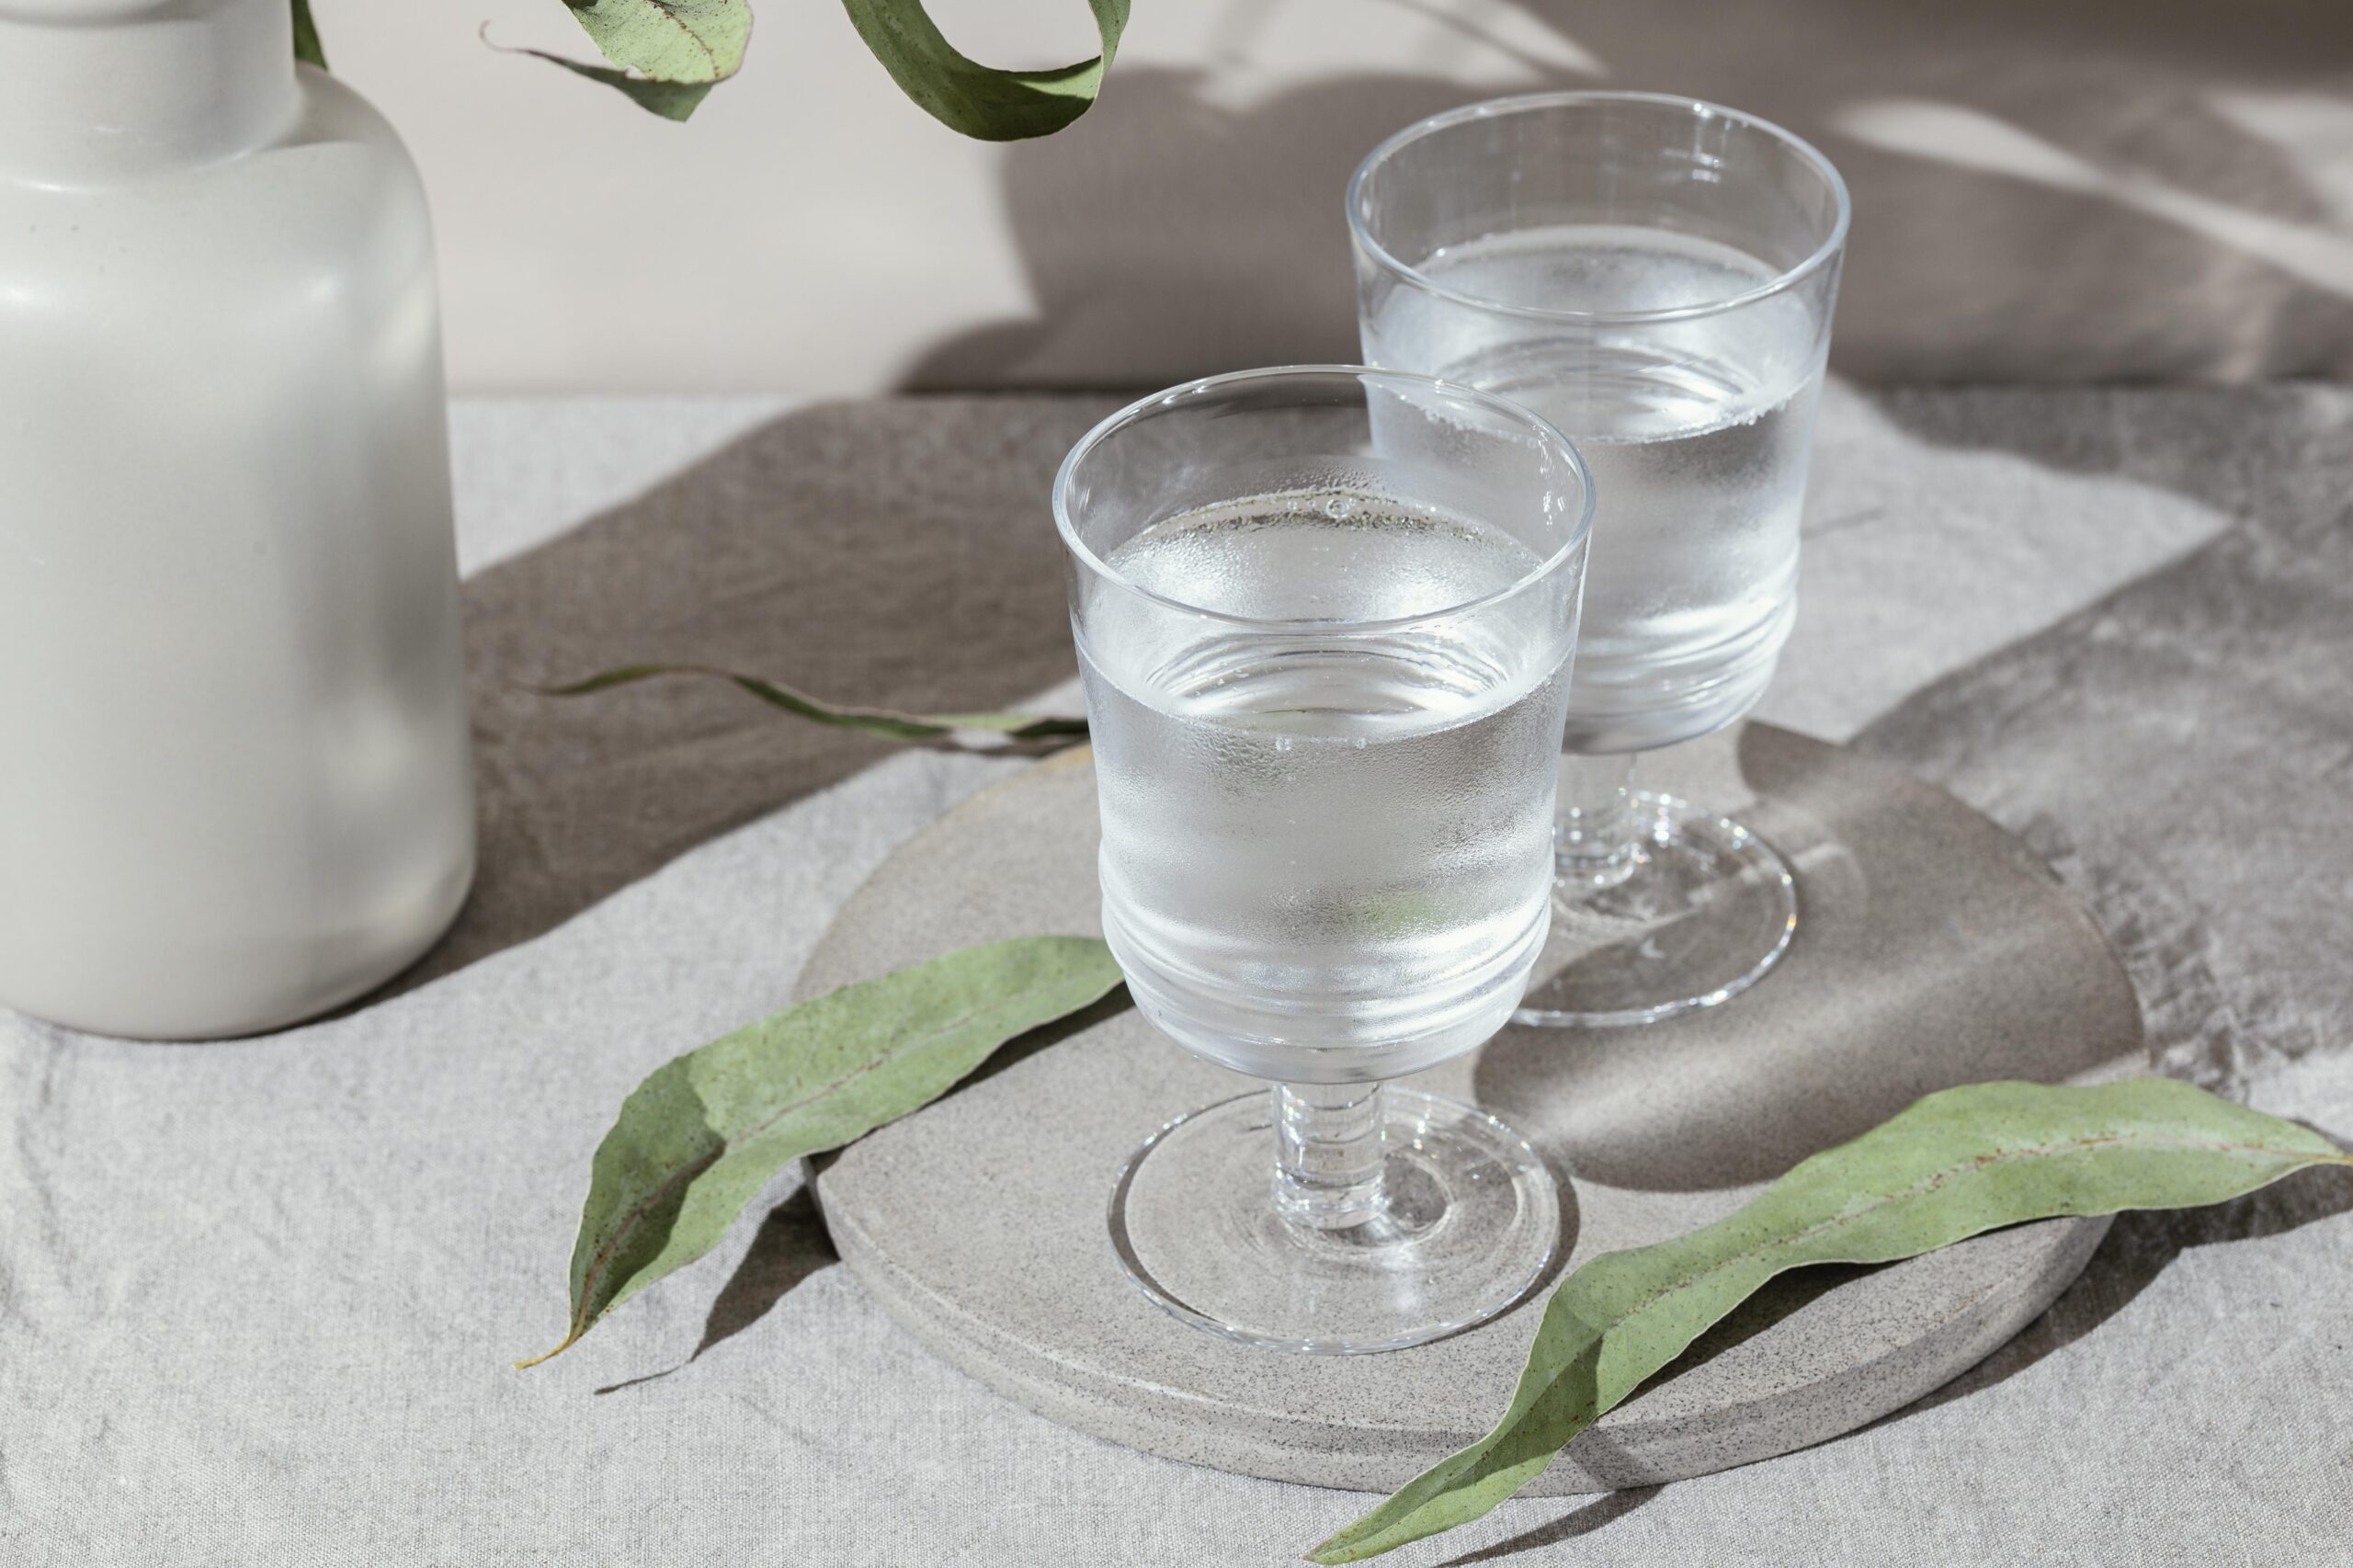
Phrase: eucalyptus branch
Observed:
(666, 55)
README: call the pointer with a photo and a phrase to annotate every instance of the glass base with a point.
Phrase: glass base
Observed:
(1699, 915)
(1468, 1224)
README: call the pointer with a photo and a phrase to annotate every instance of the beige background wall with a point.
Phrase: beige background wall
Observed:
(2046, 189)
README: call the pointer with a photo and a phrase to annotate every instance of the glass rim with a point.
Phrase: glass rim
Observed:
(1548, 436)
(1493, 109)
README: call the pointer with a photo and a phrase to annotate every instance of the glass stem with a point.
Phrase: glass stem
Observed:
(1327, 1153)
(1594, 843)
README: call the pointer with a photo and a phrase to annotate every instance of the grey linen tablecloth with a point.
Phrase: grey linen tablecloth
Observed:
(257, 1299)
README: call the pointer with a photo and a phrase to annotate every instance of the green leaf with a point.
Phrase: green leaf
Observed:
(669, 40)
(665, 55)
(976, 100)
(699, 1138)
(671, 100)
(1953, 1164)
(307, 47)
(880, 721)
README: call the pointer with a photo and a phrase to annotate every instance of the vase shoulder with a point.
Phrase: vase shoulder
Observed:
(318, 221)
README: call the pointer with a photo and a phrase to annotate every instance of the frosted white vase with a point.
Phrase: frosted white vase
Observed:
(235, 781)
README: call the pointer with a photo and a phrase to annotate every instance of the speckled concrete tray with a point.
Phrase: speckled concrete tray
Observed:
(1933, 950)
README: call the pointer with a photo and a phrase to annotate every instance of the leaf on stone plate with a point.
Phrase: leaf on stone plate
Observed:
(979, 100)
(699, 1138)
(665, 55)
(1951, 1166)
(883, 722)
(307, 47)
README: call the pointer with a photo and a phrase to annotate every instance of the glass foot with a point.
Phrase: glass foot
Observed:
(1702, 911)
(1467, 1224)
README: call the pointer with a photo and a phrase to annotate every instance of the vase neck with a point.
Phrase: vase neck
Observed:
(102, 90)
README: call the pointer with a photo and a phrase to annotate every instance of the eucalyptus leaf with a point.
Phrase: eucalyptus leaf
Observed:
(307, 47)
(981, 101)
(665, 55)
(1953, 1164)
(883, 722)
(699, 1138)
(671, 100)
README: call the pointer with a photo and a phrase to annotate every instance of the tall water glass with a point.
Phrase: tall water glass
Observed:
(1325, 618)
(1656, 277)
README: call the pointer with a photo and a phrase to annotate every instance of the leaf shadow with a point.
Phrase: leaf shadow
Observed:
(790, 1244)
(1581, 1520)
(2195, 207)
(2137, 1249)
(1777, 1299)
(1782, 1297)
(1022, 1047)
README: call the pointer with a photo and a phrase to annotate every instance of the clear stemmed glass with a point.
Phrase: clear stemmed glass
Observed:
(1325, 618)
(1654, 275)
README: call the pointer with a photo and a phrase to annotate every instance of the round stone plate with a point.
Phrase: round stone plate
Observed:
(1932, 950)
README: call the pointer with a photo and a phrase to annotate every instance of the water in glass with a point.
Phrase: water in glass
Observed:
(1696, 433)
(1327, 847)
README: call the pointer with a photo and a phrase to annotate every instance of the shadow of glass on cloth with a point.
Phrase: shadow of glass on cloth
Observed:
(1927, 954)
(1193, 221)
(2177, 749)
(895, 554)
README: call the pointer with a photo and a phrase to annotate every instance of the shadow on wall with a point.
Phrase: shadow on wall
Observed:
(1177, 238)
(2093, 192)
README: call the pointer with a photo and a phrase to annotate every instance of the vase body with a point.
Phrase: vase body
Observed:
(235, 787)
